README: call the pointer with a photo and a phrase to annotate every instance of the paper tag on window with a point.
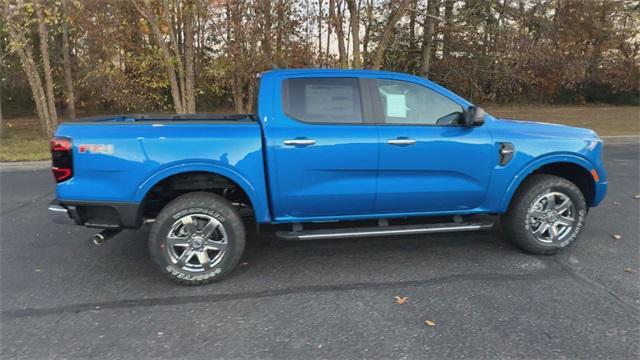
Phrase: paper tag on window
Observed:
(396, 105)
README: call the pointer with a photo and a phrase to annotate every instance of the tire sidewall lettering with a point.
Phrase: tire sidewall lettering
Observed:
(199, 210)
(180, 274)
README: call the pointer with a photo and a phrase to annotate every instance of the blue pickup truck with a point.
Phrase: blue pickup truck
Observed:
(367, 153)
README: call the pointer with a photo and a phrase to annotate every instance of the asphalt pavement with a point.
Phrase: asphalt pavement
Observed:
(62, 297)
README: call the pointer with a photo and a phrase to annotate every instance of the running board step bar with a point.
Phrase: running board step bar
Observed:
(383, 231)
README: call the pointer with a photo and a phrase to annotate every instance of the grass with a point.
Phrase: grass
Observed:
(606, 120)
(21, 140)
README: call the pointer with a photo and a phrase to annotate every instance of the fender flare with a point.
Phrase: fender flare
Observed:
(258, 202)
(536, 164)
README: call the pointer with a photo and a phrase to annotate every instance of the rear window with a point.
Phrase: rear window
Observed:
(323, 100)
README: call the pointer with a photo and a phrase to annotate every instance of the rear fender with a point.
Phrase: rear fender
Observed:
(258, 201)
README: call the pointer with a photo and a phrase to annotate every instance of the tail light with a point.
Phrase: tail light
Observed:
(61, 159)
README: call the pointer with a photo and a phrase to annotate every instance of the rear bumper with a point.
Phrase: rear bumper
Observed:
(59, 214)
(105, 215)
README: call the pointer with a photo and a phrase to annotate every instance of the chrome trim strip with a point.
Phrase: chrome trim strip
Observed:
(369, 232)
(401, 141)
(298, 142)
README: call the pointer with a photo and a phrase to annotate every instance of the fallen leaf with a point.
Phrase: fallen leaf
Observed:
(616, 237)
(401, 299)
(430, 323)
(637, 196)
(38, 270)
(629, 270)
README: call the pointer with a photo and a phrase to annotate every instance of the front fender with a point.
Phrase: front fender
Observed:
(258, 200)
(536, 164)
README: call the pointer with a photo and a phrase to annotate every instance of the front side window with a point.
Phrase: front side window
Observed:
(323, 100)
(408, 103)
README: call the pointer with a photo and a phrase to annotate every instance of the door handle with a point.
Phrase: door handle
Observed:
(401, 141)
(299, 142)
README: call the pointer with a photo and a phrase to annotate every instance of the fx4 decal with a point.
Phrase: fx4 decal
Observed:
(96, 148)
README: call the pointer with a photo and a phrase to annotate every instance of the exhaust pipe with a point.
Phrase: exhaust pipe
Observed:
(104, 235)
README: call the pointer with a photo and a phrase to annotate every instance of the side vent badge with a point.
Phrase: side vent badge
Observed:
(506, 153)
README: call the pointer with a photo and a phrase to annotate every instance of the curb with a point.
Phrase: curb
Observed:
(621, 139)
(25, 165)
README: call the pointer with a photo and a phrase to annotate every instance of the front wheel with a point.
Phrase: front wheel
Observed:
(546, 214)
(197, 238)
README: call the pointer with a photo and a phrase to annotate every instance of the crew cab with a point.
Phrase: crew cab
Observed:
(360, 151)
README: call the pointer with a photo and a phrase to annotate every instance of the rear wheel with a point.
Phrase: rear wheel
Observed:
(197, 238)
(546, 214)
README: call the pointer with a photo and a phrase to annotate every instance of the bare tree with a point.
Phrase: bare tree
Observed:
(337, 20)
(267, 25)
(147, 12)
(176, 22)
(66, 62)
(448, 19)
(22, 47)
(46, 67)
(367, 29)
(396, 14)
(354, 11)
(412, 24)
(427, 41)
(190, 93)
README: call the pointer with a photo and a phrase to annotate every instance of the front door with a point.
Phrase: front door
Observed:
(323, 155)
(428, 161)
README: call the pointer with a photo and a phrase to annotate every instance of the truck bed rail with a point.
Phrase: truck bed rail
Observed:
(170, 117)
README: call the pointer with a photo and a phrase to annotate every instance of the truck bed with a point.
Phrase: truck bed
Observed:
(118, 158)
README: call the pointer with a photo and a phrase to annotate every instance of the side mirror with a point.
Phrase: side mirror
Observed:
(474, 116)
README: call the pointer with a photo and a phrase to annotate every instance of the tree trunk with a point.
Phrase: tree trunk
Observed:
(176, 45)
(189, 59)
(446, 38)
(367, 30)
(394, 17)
(427, 41)
(236, 89)
(46, 67)
(25, 54)
(336, 18)
(329, 20)
(266, 33)
(354, 12)
(147, 12)
(280, 32)
(412, 24)
(320, 30)
(1, 118)
(66, 62)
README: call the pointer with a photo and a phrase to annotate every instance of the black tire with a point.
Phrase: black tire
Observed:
(517, 225)
(198, 204)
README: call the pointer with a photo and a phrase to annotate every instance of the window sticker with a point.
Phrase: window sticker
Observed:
(396, 105)
(329, 99)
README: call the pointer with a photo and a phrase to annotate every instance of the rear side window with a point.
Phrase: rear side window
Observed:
(323, 100)
(408, 103)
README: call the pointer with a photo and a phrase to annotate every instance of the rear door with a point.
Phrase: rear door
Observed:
(322, 149)
(429, 162)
